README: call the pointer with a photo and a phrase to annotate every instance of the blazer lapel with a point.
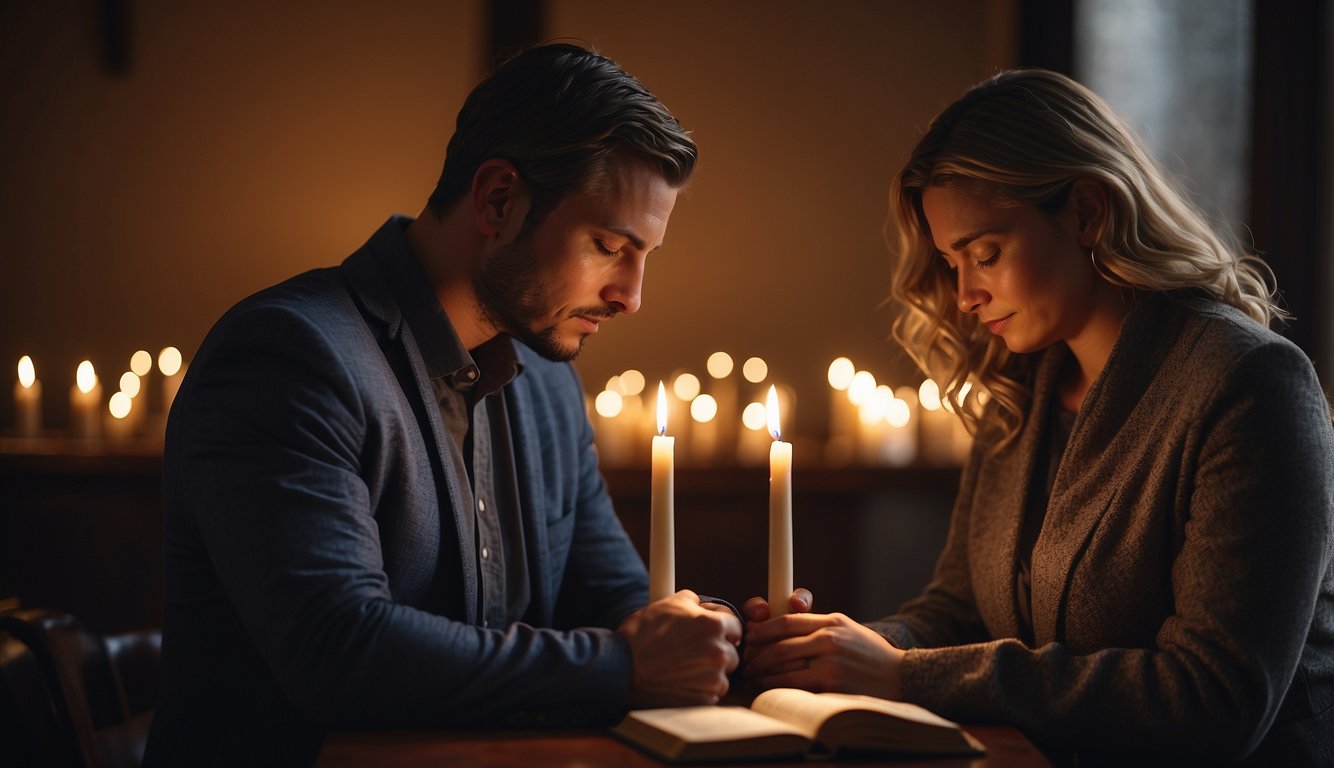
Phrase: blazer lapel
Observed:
(1088, 480)
(1006, 482)
(369, 288)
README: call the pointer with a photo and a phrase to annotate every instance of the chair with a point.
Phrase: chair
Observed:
(78, 698)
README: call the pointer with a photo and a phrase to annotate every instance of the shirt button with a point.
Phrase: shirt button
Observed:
(481, 505)
(486, 553)
(471, 374)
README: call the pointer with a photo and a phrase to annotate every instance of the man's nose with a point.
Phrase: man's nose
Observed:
(623, 290)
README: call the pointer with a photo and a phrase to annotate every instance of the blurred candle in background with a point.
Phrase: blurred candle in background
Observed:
(843, 415)
(723, 388)
(27, 400)
(132, 386)
(662, 534)
(754, 439)
(118, 424)
(780, 513)
(85, 399)
(704, 432)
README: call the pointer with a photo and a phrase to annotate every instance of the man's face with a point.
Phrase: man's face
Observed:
(584, 263)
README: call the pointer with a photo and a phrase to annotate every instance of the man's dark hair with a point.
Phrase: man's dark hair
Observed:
(562, 115)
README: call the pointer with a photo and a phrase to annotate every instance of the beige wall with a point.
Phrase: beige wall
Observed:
(250, 141)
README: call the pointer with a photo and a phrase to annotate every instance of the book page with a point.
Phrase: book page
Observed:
(808, 710)
(709, 723)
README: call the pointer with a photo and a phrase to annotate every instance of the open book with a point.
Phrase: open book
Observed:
(784, 722)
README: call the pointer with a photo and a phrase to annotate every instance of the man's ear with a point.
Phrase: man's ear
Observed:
(499, 199)
(1088, 200)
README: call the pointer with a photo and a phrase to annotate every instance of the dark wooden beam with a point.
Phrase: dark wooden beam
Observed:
(512, 26)
(1046, 35)
(114, 18)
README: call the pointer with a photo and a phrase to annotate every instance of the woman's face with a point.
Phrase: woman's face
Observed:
(1026, 274)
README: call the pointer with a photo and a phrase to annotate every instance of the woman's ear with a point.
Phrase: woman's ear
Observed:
(1088, 200)
(499, 199)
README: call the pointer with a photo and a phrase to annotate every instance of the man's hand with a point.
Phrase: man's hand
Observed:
(682, 651)
(757, 608)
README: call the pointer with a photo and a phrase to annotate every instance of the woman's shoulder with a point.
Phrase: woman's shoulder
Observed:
(1215, 333)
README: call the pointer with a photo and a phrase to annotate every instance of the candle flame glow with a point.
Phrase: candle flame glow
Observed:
(632, 382)
(119, 405)
(719, 365)
(27, 373)
(129, 383)
(703, 408)
(929, 394)
(609, 404)
(85, 377)
(841, 372)
(753, 416)
(754, 370)
(686, 386)
(771, 411)
(662, 408)
(169, 361)
(141, 363)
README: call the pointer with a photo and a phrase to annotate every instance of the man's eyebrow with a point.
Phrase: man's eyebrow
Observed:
(628, 234)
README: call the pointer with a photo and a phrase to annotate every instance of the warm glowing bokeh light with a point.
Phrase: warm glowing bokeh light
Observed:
(119, 405)
(632, 382)
(703, 408)
(169, 361)
(27, 372)
(129, 384)
(840, 373)
(85, 377)
(929, 395)
(719, 365)
(686, 386)
(755, 370)
(753, 416)
(141, 363)
(608, 404)
(862, 387)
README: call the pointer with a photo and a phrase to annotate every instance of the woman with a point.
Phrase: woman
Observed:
(1140, 557)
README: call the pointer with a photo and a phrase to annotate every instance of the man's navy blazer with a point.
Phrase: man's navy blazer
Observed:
(318, 570)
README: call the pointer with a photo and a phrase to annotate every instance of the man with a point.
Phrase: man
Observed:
(383, 505)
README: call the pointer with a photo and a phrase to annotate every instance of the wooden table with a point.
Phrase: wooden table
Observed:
(1006, 748)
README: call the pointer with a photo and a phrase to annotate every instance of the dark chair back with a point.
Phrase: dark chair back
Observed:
(99, 690)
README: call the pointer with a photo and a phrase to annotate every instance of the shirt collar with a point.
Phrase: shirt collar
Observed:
(493, 363)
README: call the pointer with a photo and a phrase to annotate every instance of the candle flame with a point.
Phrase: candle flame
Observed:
(771, 411)
(662, 408)
(27, 373)
(85, 377)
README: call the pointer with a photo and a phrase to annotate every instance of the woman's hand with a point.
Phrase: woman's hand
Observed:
(821, 652)
(757, 608)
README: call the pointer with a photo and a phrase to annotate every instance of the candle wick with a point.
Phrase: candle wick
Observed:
(777, 435)
(662, 431)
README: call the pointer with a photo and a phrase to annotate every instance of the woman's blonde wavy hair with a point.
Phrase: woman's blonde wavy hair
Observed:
(1025, 135)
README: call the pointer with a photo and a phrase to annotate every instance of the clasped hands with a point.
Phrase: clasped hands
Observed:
(683, 651)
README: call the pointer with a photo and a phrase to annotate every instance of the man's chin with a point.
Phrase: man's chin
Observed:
(549, 345)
